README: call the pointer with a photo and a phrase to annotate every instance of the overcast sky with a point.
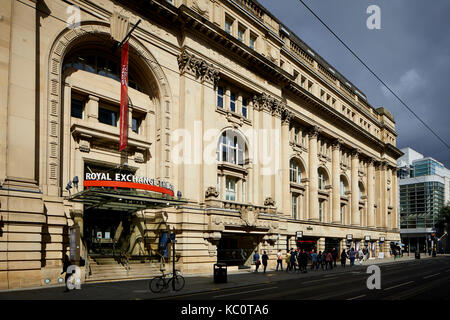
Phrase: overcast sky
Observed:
(411, 53)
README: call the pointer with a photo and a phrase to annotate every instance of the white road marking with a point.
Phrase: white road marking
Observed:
(242, 292)
(311, 281)
(399, 285)
(431, 275)
(363, 295)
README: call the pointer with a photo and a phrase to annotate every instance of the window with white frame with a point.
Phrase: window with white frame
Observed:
(294, 206)
(295, 172)
(320, 210)
(233, 102)
(244, 107)
(322, 180)
(230, 186)
(231, 148)
(229, 25)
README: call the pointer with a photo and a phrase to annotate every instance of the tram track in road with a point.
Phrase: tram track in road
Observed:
(342, 285)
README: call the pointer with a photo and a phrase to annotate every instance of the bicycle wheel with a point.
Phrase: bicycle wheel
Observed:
(157, 284)
(178, 282)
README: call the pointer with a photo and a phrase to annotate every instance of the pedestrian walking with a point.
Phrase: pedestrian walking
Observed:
(313, 259)
(288, 261)
(66, 264)
(329, 260)
(334, 253)
(319, 260)
(256, 261)
(343, 258)
(352, 257)
(324, 260)
(304, 261)
(293, 260)
(264, 259)
(280, 260)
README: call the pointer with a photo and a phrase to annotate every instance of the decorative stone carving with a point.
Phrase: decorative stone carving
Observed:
(269, 104)
(249, 217)
(201, 7)
(356, 152)
(211, 192)
(314, 132)
(198, 67)
(337, 144)
(286, 116)
(119, 26)
(269, 202)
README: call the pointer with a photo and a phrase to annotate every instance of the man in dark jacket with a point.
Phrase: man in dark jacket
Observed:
(264, 259)
(293, 260)
(334, 254)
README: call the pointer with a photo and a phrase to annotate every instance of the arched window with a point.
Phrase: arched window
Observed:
(102, 64)
(295, 173)
(322, 178)
(231, 148)
(361, 190)
(343, 185)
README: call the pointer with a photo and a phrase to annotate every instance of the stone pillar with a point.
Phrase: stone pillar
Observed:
(383, 195)
(279, 166)
(355, 218)
(285, 207)
(395, 191)
(321, 244)
(335, 182)
(19, 95)
(370, 194)
(313, 175)
(92, 109)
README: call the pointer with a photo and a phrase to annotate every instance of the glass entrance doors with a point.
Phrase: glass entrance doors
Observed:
(106, 233)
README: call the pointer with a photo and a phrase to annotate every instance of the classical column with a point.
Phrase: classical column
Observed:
(278, 161)
(286, 116)
(313, 175)
(370, 194)
(395, 217)
(355, 219)
(335, 182)
(383, 195)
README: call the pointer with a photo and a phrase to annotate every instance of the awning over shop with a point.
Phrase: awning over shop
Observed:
(124, 199)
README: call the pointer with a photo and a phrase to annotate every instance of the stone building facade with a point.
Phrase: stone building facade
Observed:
(202, 73)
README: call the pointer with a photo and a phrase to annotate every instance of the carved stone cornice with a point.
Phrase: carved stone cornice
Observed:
(198, 67)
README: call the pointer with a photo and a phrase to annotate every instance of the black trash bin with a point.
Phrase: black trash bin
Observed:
(417, 255)
(220, 273)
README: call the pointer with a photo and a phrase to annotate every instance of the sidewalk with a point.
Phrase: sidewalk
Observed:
(139, 289)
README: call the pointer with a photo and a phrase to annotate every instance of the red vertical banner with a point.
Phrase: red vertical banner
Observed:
(124, 98)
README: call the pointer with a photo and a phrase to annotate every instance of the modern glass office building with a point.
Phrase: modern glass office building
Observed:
(423, 191)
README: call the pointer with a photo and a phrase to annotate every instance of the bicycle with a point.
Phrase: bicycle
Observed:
(158, 283)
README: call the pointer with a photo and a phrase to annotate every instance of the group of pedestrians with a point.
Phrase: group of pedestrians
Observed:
(297, 260)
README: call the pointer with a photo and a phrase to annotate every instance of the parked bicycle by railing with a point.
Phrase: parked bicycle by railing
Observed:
(176, 281)
(162, 282)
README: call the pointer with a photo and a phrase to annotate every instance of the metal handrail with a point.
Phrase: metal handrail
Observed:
(86, 259)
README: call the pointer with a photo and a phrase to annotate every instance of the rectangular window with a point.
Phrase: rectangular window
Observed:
(135, 124)
(294, 206)
(253, 41)
(320, 210)
(243, 191)
(107, 116)
(244, 107)
(220, 97)
(233, 102)
(241, 33)
(342, 214)
(76, 108)
(229, 25)
(230, 189)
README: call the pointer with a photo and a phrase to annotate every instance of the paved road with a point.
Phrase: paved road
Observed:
(416, 279)
(425, 279)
